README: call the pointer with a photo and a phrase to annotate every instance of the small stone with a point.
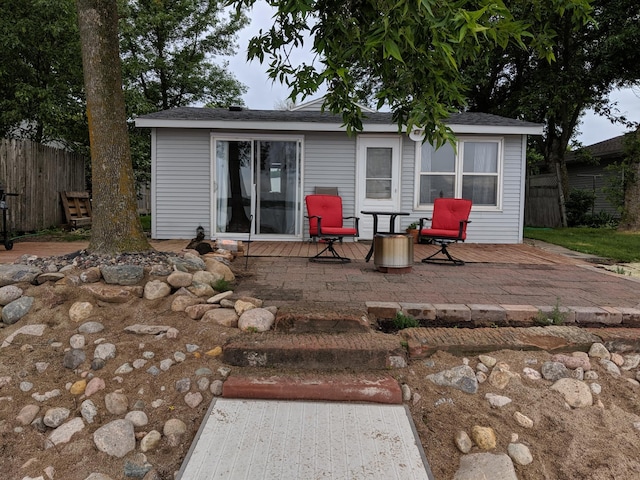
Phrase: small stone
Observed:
(598, 350)
(116, 438)
(487, 360)
(150, 441)
(576, 393)
(191, 347)
(484, 437)
(166, 364)
(156, 289)
(242, 306)
(497, 401)
(214, 352)
(41, 366)
(554, 371)
(17, 309)
(179, 357)
(203, 383)
(520, 453)
(481, 367)
(98, 364)
(139, 363)
(116, 403)
(77, 341)
(80, 311)
(216, 387)
(90, 328)
(183, 385)
(463, 442)
(64, 432)
(137, 417)
(105, 351)
(523, 420)
(406, 392)
(27, 414)
(462, 377)
(501, 375)
(193, 399)
(95, 384)
(88, 411)
(595, 388)
(73, 358)
(26, 386)
(610, 367)
(481, 377)
(617, 359)
(153, 370)
(124, 369)
(54, 417)
(78, 387)
(631, 361)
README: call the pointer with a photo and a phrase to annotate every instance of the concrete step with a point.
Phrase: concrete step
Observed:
(315, 386)
(318, 351)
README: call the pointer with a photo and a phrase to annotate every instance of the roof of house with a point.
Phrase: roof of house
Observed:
(303, 120)
(611, 148)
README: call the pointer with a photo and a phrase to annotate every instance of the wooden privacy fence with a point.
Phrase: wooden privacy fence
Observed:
(38, 174)
(542, 202)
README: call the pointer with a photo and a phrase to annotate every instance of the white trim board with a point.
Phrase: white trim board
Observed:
(285, 440)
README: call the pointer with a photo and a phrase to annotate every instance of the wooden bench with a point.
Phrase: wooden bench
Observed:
(77, 208)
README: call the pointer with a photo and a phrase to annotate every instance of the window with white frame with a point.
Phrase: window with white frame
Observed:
(471, 171)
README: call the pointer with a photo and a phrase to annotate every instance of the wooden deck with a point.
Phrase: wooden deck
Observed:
(469, 252)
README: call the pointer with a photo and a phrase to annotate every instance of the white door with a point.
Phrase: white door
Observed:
(378, 174)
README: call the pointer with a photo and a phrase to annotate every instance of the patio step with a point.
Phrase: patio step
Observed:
(423, 342)
(317, 351)
(298, 319)
(337, 388)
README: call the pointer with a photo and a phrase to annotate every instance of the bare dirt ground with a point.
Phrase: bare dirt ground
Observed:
(596, 442)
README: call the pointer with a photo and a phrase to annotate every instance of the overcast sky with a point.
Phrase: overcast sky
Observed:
(263, 94)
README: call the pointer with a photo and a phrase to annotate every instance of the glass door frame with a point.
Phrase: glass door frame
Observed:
(252, 138)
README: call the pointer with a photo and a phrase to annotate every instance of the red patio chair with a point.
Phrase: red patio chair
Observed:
(326, 225)
(448, 225)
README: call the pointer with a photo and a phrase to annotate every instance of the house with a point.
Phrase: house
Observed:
(235, 171)
(587, 170)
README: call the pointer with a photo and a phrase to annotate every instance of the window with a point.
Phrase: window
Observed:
(473, 172)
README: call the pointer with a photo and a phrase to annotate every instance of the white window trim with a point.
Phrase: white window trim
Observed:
(458, 173)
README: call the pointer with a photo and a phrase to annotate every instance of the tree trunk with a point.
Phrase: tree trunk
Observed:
(116, 226)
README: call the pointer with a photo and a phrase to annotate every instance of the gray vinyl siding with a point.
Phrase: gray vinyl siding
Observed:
(330, 161)
(587, 177)
(503, 226)
(182, 196)
(182, 183)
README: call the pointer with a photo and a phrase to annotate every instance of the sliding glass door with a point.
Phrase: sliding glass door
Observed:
(257, 187)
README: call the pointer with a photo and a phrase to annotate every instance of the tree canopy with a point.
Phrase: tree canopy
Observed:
(41, 89)
(406, 54)
(591, 60)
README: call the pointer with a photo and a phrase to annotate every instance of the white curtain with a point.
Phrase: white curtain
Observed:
(484, 160)
(222, 184)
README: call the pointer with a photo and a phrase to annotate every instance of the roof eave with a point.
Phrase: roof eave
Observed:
(327, 127)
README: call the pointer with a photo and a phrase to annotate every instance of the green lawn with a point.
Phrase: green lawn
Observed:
(603, 242)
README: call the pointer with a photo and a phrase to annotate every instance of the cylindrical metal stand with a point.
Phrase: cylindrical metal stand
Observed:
(393, 251)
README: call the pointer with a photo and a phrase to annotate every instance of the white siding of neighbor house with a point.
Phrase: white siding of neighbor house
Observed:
(503, 226)
(181, 176)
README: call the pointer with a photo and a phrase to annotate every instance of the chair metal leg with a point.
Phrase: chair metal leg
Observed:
(335, 257)
(444, 261)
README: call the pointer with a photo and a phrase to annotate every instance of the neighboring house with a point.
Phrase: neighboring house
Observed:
(235, 170)
(587, 169)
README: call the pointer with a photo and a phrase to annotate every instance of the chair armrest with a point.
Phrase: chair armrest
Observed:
(422, 220)
(461, 229)
(357, 220)
(319, 222)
